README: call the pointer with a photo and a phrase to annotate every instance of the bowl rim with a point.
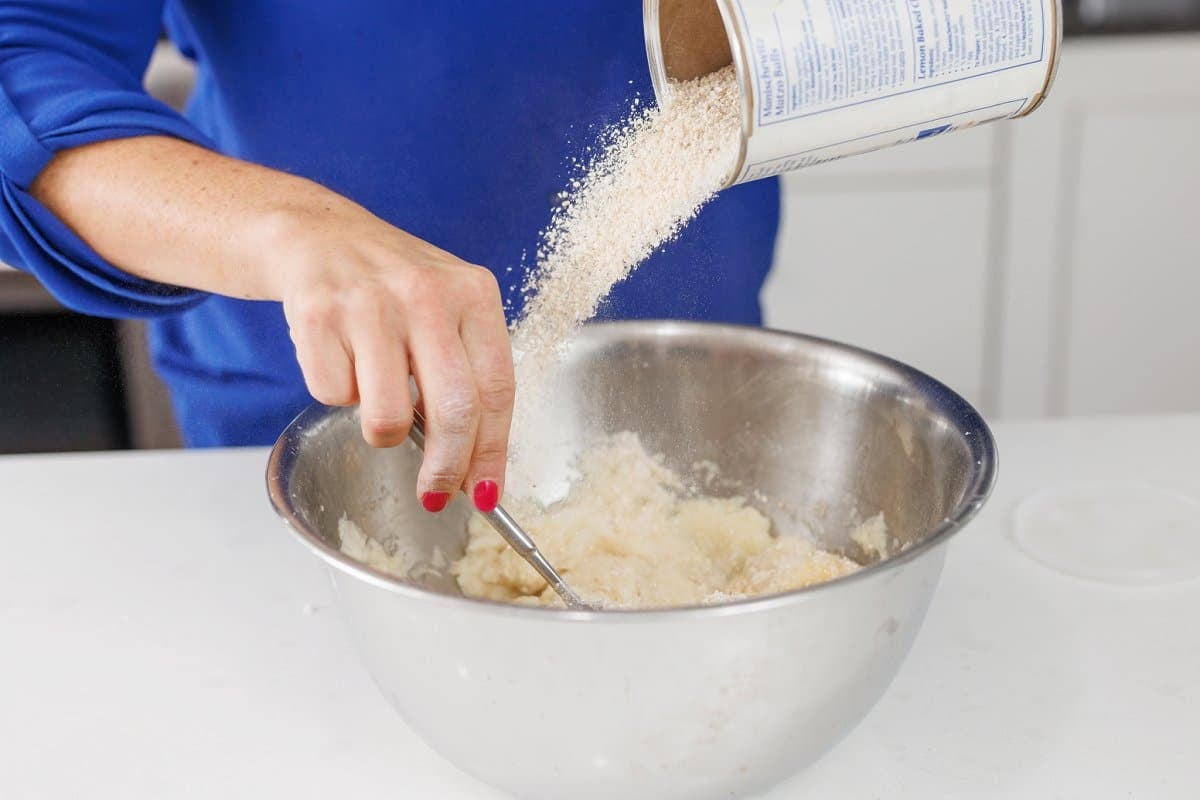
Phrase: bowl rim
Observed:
(968, 420)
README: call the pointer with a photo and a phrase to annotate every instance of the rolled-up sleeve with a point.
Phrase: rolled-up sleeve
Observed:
(70, 75)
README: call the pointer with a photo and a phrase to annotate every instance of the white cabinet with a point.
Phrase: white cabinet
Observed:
(1046, 266)
(1132, 338)
(1101, 265)
(902, 272)
(891, 251)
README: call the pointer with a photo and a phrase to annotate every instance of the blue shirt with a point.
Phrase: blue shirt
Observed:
(453, 119)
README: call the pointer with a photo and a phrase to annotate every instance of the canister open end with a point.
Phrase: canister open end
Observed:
(694, 40)
(688, 39)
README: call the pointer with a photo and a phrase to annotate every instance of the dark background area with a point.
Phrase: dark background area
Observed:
(1115, 17)
(70, 382)
(63, 384)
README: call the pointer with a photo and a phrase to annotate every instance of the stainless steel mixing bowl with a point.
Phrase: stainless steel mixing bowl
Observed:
(691, 703)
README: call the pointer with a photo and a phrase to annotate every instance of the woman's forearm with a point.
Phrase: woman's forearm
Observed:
(169, 211)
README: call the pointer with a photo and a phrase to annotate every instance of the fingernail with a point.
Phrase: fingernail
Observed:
(435, 501)
(487, 496)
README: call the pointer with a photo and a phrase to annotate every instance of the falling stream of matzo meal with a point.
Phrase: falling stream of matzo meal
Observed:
(654, 173)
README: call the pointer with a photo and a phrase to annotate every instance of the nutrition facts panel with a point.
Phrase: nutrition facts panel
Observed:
(820, 55)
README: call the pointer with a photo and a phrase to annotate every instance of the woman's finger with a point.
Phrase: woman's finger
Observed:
(485, 339)
(322, 354)
(381, 371)
(450, 404)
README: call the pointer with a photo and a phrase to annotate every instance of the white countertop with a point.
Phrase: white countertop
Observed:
(162, 636)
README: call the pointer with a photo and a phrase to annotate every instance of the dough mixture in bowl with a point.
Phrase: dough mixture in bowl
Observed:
(629, 535)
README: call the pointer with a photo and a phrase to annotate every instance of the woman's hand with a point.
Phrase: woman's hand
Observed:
(367, 305)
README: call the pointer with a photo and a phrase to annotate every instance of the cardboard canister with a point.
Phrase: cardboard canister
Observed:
(824, 79)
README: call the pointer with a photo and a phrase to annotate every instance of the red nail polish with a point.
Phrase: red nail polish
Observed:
(487, 496)
(435, 501)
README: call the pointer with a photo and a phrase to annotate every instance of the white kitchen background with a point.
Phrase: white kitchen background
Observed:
(1046, 267)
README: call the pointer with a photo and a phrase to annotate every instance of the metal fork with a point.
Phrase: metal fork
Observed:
(516, 537)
